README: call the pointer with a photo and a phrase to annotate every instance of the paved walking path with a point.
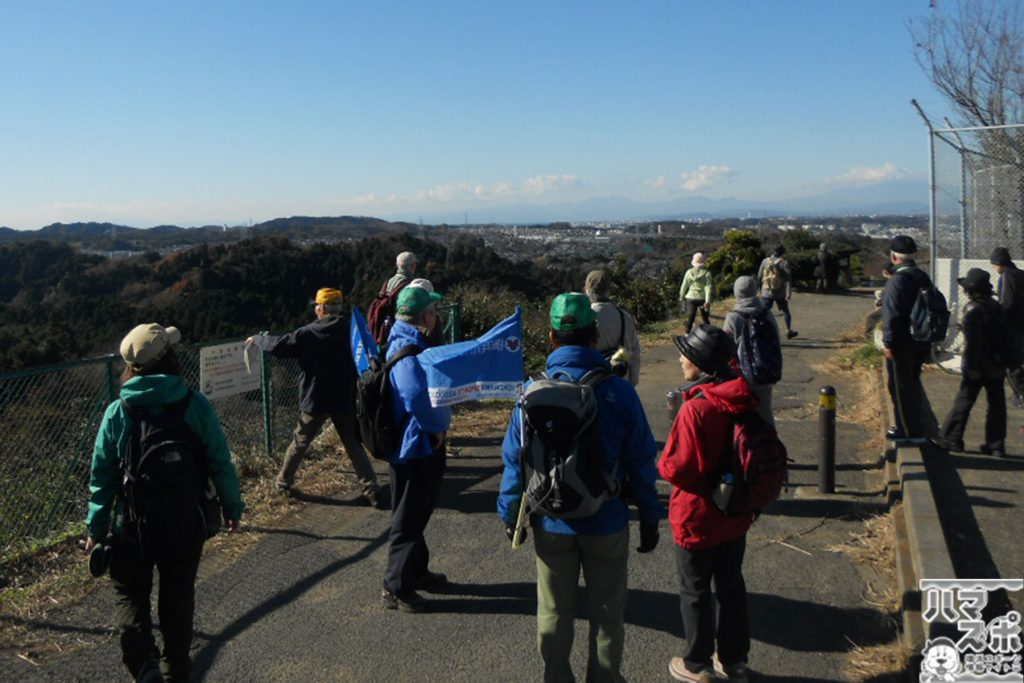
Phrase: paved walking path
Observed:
(979, 497)
(303, 603)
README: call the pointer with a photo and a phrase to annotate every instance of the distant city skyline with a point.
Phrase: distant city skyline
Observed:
(199, 114)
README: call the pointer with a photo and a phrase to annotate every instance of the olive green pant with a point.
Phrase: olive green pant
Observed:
(603, 560)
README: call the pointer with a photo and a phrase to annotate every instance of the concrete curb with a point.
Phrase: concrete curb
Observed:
(921, 549)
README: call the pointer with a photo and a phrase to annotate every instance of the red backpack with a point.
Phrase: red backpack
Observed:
(381, 314)
(754, 468)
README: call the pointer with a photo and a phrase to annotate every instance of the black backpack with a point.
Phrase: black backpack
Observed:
(761, 360)
(929, 317)
(170, 505)
(377, 427)
(563, 463)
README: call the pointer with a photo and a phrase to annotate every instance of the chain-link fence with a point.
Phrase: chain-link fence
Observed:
(49, 417)
(977, 198)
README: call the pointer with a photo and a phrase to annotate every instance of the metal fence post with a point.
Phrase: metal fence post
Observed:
(111, 382)
(268, 425)
(827, 433)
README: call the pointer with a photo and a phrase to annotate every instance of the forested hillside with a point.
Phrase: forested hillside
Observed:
(58, 304)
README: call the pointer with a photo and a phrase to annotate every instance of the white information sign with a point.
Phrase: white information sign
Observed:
(227, 369)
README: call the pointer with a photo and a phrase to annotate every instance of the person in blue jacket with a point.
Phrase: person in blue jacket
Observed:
(598, 544)
(152, 381)
(417, 468)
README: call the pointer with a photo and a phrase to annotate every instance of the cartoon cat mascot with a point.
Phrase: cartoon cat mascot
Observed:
(941, 661)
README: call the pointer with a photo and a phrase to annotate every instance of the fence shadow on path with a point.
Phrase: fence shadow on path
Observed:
(204, 658)
(805, 626)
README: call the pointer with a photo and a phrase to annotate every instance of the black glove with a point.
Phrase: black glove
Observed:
(648, 538)
(510, 531)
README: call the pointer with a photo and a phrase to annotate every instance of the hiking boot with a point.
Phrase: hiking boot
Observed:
(432, 582)
(998, 451)
(947, 444)
(149, 672)
(678, 670)
(407, 601)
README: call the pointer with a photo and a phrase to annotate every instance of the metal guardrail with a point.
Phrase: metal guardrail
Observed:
(49, 417)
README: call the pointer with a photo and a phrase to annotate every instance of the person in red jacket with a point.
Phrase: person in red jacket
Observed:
(709, 545)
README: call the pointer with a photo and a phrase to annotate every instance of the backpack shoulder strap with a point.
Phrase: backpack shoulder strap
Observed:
(594, 377)
(404, 352)
(622, 327)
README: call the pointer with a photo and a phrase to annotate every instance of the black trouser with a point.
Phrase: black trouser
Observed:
(1015, 363)
(697, 568)
(904, 372)
(692, 306)
(995, 416)
(132, 577)
(783, 305)
(415, 487)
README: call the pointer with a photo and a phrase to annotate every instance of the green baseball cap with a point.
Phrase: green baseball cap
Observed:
(414, 300)
(571, 311)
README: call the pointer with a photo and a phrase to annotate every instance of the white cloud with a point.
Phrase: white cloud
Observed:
(657, 183)
(705, 177)
(542, 184)
(867, 175)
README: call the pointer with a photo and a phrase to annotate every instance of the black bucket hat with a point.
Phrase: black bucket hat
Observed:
(976, 280)
(709, 348)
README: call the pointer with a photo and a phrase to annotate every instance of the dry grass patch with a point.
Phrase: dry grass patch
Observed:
(873, 549)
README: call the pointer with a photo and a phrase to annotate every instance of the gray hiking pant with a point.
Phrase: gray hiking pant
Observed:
(307, 429)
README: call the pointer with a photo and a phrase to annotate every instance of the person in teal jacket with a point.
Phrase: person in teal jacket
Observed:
(598, 544)
(695, 292)
(152, 381)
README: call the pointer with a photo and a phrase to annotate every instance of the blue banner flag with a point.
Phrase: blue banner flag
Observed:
(490, 366)
(363, 345)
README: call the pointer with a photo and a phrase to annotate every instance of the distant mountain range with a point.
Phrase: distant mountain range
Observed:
(893, 197)
(889, 198)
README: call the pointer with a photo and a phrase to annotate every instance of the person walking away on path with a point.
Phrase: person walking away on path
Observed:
(1010, 289)
(776, 286)
(152, 385)
(823, 271)
(749, 308)
(616, 329)
(709, 545)
(598, 544)
(327, 389)
(437, 337)
(982, 366)
(904, 356)
(695, 292)
(417, 467)
(380, 316)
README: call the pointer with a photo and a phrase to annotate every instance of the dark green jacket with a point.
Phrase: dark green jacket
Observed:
(111, 442)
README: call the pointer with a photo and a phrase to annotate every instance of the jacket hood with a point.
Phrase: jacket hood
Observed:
(731, 396)
(573, 359)
(698, 270)
(151, 390)
(403, 334)
(747, 305)
(330, 326)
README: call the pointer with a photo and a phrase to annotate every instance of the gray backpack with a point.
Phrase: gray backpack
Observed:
(564, 466)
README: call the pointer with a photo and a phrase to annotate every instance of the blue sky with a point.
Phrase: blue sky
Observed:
(191, 113)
